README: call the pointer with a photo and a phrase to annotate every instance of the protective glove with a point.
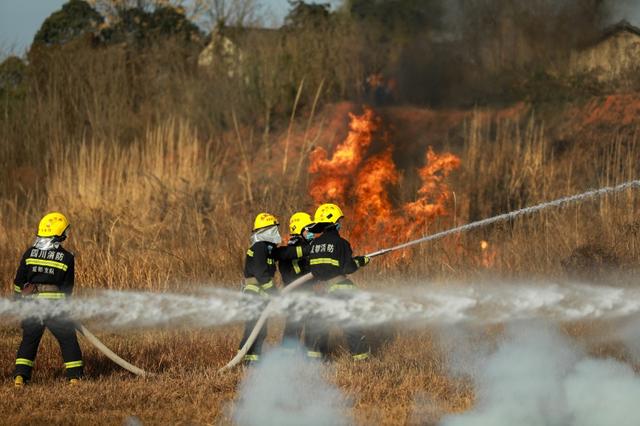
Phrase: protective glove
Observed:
(361, 261)
(29, 289)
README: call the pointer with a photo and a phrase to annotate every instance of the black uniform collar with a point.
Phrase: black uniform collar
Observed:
(331, 230)
(295, 239)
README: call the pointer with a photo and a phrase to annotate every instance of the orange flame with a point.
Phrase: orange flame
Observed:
(360, 182)
(434, 193)
(336, 174)
(487, 255)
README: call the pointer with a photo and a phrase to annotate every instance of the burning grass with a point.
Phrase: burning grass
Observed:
(361, 175)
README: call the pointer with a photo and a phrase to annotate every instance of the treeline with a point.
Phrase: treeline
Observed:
(91, 77)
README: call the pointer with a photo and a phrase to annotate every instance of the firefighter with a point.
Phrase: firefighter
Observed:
(259, 270)
(293, 264)
(46, 271)
(330, 261)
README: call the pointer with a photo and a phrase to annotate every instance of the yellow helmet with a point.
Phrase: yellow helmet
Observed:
(298, 222)
(264, 220)
(328, 213)
(53, 225)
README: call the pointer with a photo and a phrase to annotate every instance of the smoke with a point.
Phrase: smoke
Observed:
(627, 331)
(483, 51)
(623, 9)
(286, 389)
(538, 377)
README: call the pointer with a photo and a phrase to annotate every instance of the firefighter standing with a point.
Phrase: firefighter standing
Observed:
(46, 271)
(330, 261)
(259, 270)
(293, 264)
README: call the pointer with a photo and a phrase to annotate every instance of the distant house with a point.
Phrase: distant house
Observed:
(225, 48)
(615, 55)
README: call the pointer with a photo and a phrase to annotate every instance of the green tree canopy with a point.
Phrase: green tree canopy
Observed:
(142, 26)
(75, 18)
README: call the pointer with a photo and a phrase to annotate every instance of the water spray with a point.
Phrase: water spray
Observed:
(635, 184)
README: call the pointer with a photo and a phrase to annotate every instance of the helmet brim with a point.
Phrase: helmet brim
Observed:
(265, 227)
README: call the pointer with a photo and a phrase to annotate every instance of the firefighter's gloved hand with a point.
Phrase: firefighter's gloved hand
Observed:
(361, 261)
(29, 289)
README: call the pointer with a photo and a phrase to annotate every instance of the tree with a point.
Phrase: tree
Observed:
(75, 18)
(139, 26)
(207, 13)
(221, 13)
(12, 73)
(307, 16)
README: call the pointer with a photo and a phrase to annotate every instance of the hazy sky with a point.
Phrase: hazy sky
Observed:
(20, 19)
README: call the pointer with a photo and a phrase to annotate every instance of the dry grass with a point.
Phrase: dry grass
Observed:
(170, 211)
(161, 199)
(188, 390)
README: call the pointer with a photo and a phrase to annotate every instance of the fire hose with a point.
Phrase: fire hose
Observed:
(635, 184)
(109, 353)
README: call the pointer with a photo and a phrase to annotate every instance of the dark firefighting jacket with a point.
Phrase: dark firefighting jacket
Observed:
(260, 267)
(53, 267)
(260, 264)
(292, 259)
(331, 257)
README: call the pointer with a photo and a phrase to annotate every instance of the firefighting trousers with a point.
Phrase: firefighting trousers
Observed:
(293, 328)
(293, 331)
(63, 330)
(317, 336)
(253, 354)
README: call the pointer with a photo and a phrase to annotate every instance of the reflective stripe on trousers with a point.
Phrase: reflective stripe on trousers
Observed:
(24, 361)
(73, 364)
(360, 357)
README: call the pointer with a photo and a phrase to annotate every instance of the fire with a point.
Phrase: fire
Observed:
(434, 192)
(361, 181)
(487, 255)
(337, 172)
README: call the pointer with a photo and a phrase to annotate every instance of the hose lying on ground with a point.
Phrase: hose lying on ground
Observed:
(109, 353)
(635, 184)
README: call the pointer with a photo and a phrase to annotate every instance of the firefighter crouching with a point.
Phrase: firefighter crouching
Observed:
(293, 263)
(330, 261)
(46, 271)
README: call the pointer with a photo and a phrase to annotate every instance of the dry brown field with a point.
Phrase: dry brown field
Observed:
(173, 211)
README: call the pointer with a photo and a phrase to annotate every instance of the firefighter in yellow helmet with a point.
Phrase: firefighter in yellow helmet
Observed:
(294, 263)
(259, 270)
(330, 261)
(46, 272)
